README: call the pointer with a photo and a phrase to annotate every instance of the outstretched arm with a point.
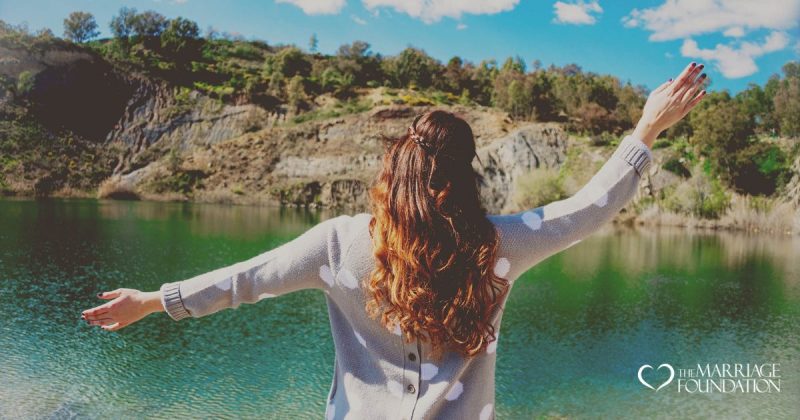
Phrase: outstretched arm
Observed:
(298, 264)
(535, 234)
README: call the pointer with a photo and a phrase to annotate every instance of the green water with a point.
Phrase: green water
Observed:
(577, 327)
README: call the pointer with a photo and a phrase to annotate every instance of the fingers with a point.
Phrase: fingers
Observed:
(686, 77)
(101, 321)
(113, 327)
(110, 295)
(695, 101)
(691, 91)
(95, 312)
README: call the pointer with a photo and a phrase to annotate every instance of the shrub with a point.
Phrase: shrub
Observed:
(675, 165)
(539, 187)
(699, 196)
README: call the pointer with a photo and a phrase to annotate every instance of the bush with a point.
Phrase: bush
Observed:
(539, 187)
(699, 196)
(675, 165)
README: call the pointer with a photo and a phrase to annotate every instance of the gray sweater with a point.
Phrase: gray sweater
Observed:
(376, 374)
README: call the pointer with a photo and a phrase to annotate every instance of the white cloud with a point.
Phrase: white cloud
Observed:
(430, 11)
(317, 7)
(675, 19)
(734, 32)
(579, 13)
(736, 62)
(358, 20)
(461, 26)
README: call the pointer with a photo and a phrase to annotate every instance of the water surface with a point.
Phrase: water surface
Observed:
(576, 329)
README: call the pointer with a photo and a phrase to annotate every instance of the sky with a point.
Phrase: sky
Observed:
(644, 42)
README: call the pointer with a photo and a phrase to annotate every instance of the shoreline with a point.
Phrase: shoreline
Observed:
(652, 218)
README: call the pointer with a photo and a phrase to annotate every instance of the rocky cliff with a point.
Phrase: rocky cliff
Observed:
(332, 162)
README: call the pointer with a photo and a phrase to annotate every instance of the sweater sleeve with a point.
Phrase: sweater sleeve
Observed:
(298, 264)
(535, 234)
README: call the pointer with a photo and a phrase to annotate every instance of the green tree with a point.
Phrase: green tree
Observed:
(287, 63)
(295, 92)
(787, 100)
(412, 68)
(313, 43)
(80, 27)
(180, 39)
(122, 25)
(149, 24)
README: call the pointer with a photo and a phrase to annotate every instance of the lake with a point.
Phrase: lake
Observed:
(577, 327)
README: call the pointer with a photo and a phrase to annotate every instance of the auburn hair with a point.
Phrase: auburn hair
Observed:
(434, 247)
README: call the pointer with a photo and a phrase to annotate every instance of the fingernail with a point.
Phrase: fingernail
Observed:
(99, 294)
(693, 64)
(701, 66)
(702, 75)
(669, 80)
(703, 92)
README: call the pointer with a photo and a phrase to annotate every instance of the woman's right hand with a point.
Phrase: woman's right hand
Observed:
(670, 102)
(126, 307)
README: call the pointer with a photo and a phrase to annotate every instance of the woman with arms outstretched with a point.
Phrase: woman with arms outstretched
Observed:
(415, 289)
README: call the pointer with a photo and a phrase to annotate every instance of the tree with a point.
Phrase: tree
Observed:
(287, 63)
(122, 25)
(149, 24)
(180, 39)
(313, 43)
(412, 67)
(787, 100)
(80, 27)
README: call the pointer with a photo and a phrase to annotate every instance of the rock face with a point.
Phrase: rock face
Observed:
(172, 119)
(507, 158)
(332, 163)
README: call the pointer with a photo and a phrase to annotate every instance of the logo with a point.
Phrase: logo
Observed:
(666, 365)
(726, 378)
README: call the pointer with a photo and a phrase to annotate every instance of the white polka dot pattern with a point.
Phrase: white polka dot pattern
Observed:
(224, 285)
(395, 388)
(602, 200)
(532, 220)
(455, 391)
(428, 370)
(347, 279)
(501, 267)
(491, 347)
(326, 275)
(486, 412)
(331, 413)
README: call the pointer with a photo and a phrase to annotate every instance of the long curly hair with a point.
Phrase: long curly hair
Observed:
(434, 247)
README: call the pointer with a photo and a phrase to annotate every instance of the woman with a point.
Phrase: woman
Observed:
(415, 290)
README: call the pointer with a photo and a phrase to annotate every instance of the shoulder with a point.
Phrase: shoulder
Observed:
(346, 229)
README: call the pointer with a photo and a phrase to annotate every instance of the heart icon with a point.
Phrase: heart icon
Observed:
(671, 375)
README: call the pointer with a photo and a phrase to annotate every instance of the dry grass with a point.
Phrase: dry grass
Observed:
(757, 214)
(753, 214)
(116, 189)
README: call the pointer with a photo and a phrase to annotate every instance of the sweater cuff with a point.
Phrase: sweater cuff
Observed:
(633, 150)
(172, 302)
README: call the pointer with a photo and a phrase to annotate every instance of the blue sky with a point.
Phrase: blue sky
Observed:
(741, 42)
